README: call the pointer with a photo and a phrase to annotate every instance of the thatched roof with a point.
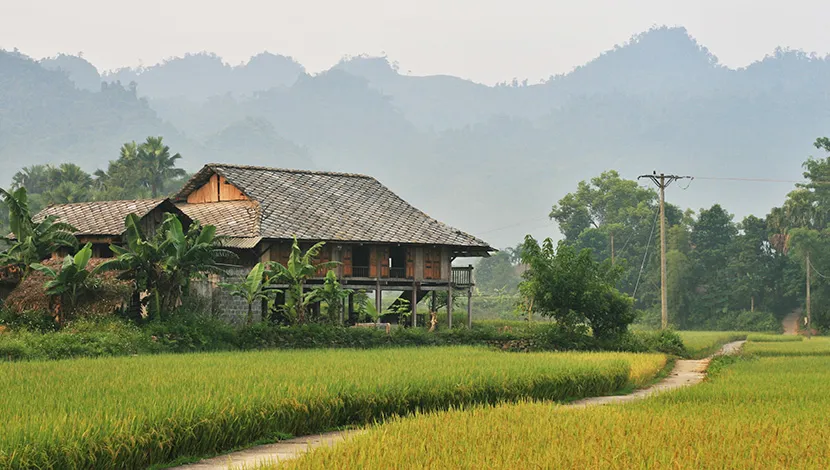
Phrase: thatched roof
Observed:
(314, 205)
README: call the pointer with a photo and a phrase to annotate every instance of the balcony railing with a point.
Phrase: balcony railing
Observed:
(397, 273)
(462, 276)
(360, 271)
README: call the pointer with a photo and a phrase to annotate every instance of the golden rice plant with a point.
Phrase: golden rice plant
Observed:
(700, 344)
(131, 412)
(756, 413)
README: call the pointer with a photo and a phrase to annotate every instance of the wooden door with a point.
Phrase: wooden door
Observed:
(410, 262)
(373, 261)
(347, 261)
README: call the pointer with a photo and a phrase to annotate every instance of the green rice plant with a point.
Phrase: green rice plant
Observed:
(819, 346)
(131, 412)
(762, 413)
(764, 338)
(700, 344)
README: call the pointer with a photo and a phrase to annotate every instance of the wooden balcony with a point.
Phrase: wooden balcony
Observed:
(462, 276)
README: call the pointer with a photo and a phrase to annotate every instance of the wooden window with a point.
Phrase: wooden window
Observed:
(432, 263)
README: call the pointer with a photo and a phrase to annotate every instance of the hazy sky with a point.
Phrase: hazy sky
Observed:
(485, 40)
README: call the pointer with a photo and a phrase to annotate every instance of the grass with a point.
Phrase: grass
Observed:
(766, 338)
(700, 344)
(755, 413)
(133, 412)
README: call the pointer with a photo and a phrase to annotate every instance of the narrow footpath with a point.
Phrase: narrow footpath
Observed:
(684, 374)
(790, 322)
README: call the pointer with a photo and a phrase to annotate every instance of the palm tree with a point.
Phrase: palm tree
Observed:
(157, 165)
(33, 242)
(299, 268)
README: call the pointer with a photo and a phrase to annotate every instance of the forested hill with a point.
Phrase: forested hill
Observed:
(480, 157)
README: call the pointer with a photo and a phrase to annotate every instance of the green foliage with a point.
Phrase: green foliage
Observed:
(574, 289)
(254, 287)
(164, 264)
(78, 338)
(300, 267)
(498, 272)
(333, 295)
(71, 282)
(33, 242)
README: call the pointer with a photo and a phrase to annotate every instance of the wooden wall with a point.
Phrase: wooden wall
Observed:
(217, 189)
(422, 262)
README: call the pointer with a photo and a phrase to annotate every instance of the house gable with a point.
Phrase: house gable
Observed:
(217, 189)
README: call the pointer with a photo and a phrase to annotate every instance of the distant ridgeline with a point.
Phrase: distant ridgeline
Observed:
(481, 156)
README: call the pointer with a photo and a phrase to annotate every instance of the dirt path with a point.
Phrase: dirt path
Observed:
(791, 322)
(684, 374)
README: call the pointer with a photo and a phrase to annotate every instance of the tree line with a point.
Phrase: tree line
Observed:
(722, 273)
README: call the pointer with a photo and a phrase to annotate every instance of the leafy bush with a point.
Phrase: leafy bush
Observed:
(664, 341)
(33, 320)
(80, 338)
(186, 331)
(749, 321)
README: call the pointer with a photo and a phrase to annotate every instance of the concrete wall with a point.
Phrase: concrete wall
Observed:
(223, 305)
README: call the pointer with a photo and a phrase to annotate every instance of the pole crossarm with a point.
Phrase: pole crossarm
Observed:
(663, 181)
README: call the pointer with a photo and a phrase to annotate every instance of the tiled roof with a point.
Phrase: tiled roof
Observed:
(231, 218)
(100, 217)
(315, 205)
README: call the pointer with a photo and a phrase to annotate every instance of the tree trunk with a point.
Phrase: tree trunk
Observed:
(250, 318)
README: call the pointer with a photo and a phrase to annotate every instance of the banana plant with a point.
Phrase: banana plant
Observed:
(70, 283)
(254, 287)
(163, 264)
(333, 294)
(299, 269)
(33, 242)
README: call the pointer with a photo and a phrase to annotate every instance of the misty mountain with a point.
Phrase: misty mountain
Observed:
(83, 74)
(487, 159)
(201, 76)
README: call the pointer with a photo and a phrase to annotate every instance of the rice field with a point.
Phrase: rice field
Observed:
(761, 412)
(131, 412)
(765, 338)
(700, 344)
(818, 346)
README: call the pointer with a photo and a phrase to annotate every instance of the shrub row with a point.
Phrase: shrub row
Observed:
(197, 333)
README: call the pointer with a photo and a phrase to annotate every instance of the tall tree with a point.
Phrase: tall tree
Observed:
(157, 165)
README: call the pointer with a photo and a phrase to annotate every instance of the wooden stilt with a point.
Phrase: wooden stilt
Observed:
(413, 306)
(378, 299)
(449, 306)
(470, 307)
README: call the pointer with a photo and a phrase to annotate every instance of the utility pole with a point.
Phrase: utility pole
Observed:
(663, 181)
(809, 310)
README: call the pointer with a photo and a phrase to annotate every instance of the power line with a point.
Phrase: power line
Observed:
(645, 255)
(816, 270)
